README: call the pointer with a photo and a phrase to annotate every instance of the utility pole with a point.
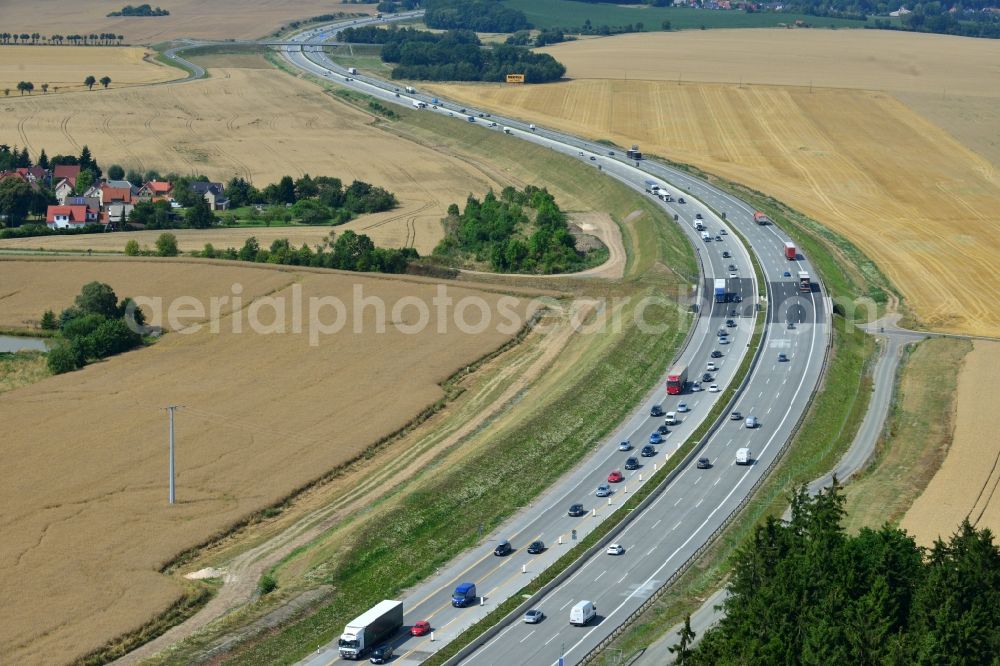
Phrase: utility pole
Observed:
(173, 491)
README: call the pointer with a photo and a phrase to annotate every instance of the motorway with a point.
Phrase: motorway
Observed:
(697, 502)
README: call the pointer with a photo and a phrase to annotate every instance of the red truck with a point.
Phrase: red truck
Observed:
(790, 251)
(677, 379)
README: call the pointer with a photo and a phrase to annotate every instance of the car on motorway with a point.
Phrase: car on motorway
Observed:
(704, 463)
(656, 411)
(670, 419)
(680, 200)
(593, 159)
(603, 490)
(534, 616)
(786, 274)
(723, 232)
(655, 438)
(611, 153)
(461, 110)
(625, 446)
(683, 407)
(381, 654)
(714, 388)
(705, 377)
(732, 312)
(697, 216)
(695, 387)
(782, 358)
(736, 416)
(716, 354)
(718, 238)
(722, 333)
(576, 510)
(580, 154)
(503, 548)
(730, 323)
(727, 254)
(616, 477)
(732, 267)
(712, 367)
(751, 422)
(791, 325)
(536, 547)
(632, 463)
(647, 451)
(733, 274)
(663, 429)
(615, 549)
(421, 628)
(723, 341)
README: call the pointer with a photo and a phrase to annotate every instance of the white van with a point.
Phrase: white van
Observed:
(582, 613)
(670, 419)
(705, 237)
(743, 456)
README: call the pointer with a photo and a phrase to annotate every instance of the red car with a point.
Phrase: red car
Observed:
(421, 628)
(615, 477)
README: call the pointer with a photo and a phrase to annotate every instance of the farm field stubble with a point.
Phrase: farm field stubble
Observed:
(967, 483)
(84, 512)
(260, 124)
(218, 19)
(65, 68)
(914, 199)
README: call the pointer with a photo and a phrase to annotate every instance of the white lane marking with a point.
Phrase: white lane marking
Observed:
(528, 636)
(699, 502)
(657, 523)
(697, 479)
(566, 604)
(551, 639)
(677, 525)
(499, 636)
(717, 479)
(679, 500)
(600, 574)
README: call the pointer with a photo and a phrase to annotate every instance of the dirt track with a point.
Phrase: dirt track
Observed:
(968, 482)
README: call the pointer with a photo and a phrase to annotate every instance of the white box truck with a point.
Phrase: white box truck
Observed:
(410, 89)
(352, 70)
(582, 613)
(743, 456)
(368, 631)
(506, 130)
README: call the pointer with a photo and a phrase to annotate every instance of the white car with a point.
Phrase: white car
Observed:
(712, 367)
(615, 549)
(714, 388)
(695, 387)
(682, 407)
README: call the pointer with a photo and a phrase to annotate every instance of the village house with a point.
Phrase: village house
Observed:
(213, 193)
(70, 217)
(64, 188)
(155, 190)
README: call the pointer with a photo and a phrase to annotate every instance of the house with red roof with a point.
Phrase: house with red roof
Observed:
(70, 217)
(109, 195)
(68, 171)
(155, 190)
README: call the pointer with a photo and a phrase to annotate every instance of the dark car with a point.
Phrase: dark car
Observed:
(655, 411)
(721, 333)
(461, 110)
(730, 323)
(503, 548)
(705, 377)
(647, 452)
(782, 358)
(381, 654)
(735, 416)
(727, 254)
(611, 153)
(536, 547)
(662, 429)
(704, 463)
(732, 312)
(632, 463)
(697, 216)
(716, 354)
(732, 267)
(718, 239)
(593, 159)
(577, 510)
(681, 200)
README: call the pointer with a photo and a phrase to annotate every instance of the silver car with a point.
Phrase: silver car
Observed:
(604, 490)
(533, 616)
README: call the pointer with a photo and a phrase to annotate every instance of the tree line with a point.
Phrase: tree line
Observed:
(969, 19)
(455, 55)
(93, 39)
(96, 326)
(140, 10)
(521, 231)
(478, 15)
(805, 592)
(28, 86)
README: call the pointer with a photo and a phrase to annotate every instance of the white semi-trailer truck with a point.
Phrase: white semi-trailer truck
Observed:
(368, 631)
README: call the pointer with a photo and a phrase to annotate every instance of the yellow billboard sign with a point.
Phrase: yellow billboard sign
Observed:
(515, 78)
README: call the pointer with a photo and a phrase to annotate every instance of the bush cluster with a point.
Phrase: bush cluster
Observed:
(95, 327)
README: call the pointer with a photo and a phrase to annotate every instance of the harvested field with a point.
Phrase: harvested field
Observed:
(920, 204)
(228, 125)
(65, 68)
(866, 59)
(968, 483)
(217, 19)
(85, 483)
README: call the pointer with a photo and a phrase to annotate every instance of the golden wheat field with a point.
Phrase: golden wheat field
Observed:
(83, 494)
(917, 201)
(966, 485)
(205, 19)
(259, 124)
(65, 68)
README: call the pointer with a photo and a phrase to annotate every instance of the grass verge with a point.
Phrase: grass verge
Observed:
(21, 369)
(917, 436)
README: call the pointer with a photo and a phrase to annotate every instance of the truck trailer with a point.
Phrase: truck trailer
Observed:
(790, 252)
(371, 629)
(417, 104)
(720, 291)
(652, 187)
(805, 284)
(760, 218)
(352, 70)
(506, 130)
(410, 89)
(677, 380)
